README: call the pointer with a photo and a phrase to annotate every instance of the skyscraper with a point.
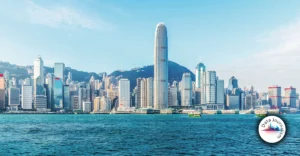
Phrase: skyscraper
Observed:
(208, 89)
(220, 92)
(275, 96)
(161, 67)
(290, 97)
(2, 91)
(186, 90)
(67, 99)
(59, 71)
(38, 76)
(13, 97)
(138, 93)
(233, 83)
(200, 69)
(124, 94)
(58, 93)
(26, 97)
(149, 92)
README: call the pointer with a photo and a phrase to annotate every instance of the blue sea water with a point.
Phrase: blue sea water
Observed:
(141, 135)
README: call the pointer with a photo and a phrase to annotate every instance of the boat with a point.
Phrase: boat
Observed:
(194, 114)
(261, 113)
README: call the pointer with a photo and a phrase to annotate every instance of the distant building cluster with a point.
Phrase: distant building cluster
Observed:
(58, 92)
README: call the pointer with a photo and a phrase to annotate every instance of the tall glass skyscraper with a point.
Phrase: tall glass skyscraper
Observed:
(161, 67)
(233, 83)
(200, 69)
(58, 93)
(38, 75)
(59, 70)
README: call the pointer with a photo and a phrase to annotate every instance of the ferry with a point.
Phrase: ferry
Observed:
(194, 114)
(261, 113)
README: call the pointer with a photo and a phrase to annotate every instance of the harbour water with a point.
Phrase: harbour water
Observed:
(42, 134)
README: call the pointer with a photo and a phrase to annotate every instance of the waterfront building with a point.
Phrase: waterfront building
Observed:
(197, 96)
(149, 91)
(275, 98)
(75, 102)
(161, 67)
(290, 97)
(2, 92)
(233, 102)
(173, 101)
(40, 102)
(138, 92)
(233, 83)
(59, 71)
(96, 104)
(58, 93)
(92, 90)
(208, 89)
(220, 92)
(38, 75)
(26, 97)
(143, 93)
(186, 90)
(200, 69)
(66, 97)
(105, 104)
(87, 107)
(250, 101)
(124, 94)
(13, 97)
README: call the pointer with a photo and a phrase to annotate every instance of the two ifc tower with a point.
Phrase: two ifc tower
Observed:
(161, 67)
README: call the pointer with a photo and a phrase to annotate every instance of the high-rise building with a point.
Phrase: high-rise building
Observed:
(233, 102)
(69, 80)
(26, 97)
(96, 104)
(58, 93)
(220, 92)
(2, 92)
(67, 98)
(105, 104)
(143, 93)
(173, 101)
(149, 85)
(75, 102)
(233, 83)
(208, 89)
(50, 90)
(290, 97)
(87, 107)
(186, 90)
(38, 76)
(200, 69)
(124, 94)
(27, 81)
(40, 102)
(59, 71)
(92, 90)
(197, 96)
(161, 67)
(13, 97)
(138, 93)
(250, 101)
(274, 93)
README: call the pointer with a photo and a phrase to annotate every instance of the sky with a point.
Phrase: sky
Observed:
(256, 41)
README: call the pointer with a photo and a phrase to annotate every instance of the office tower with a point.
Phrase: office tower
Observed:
(86, 107)
(200, 69)
(107, 82)
(14, 82)
(27, 97)
(232, 102)
(59, 71)
(75, 102)
(208, 89)
(105, 104)
(220, 92)
(186, 90)
(290, 97)
(275, 96)
(96, 104)
(197, 96)
(58, 93)
(50, 90)
(149, 91)
(2, 91)
(6, 75)
(92, 90)
(143, 93)
(13, 97)
(38, 75)
(233, 83)
(69, 80)
(138, 93)
(250, 101)
(124, 94)
(173, 96)
(67, 99)
(40, 102)
(161, 67)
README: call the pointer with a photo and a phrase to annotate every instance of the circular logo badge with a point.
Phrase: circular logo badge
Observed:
(271, 129)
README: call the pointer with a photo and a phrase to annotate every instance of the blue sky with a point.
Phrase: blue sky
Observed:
(256, 41)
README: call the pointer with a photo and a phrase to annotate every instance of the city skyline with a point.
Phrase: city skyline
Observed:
(248, 50)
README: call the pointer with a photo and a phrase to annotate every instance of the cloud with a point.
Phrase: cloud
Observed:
(277, 62)
(57, 17)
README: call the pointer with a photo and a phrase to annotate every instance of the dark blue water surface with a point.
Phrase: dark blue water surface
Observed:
(141, 135)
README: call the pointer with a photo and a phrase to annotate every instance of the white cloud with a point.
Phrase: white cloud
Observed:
(63, 16)
(277, 63)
